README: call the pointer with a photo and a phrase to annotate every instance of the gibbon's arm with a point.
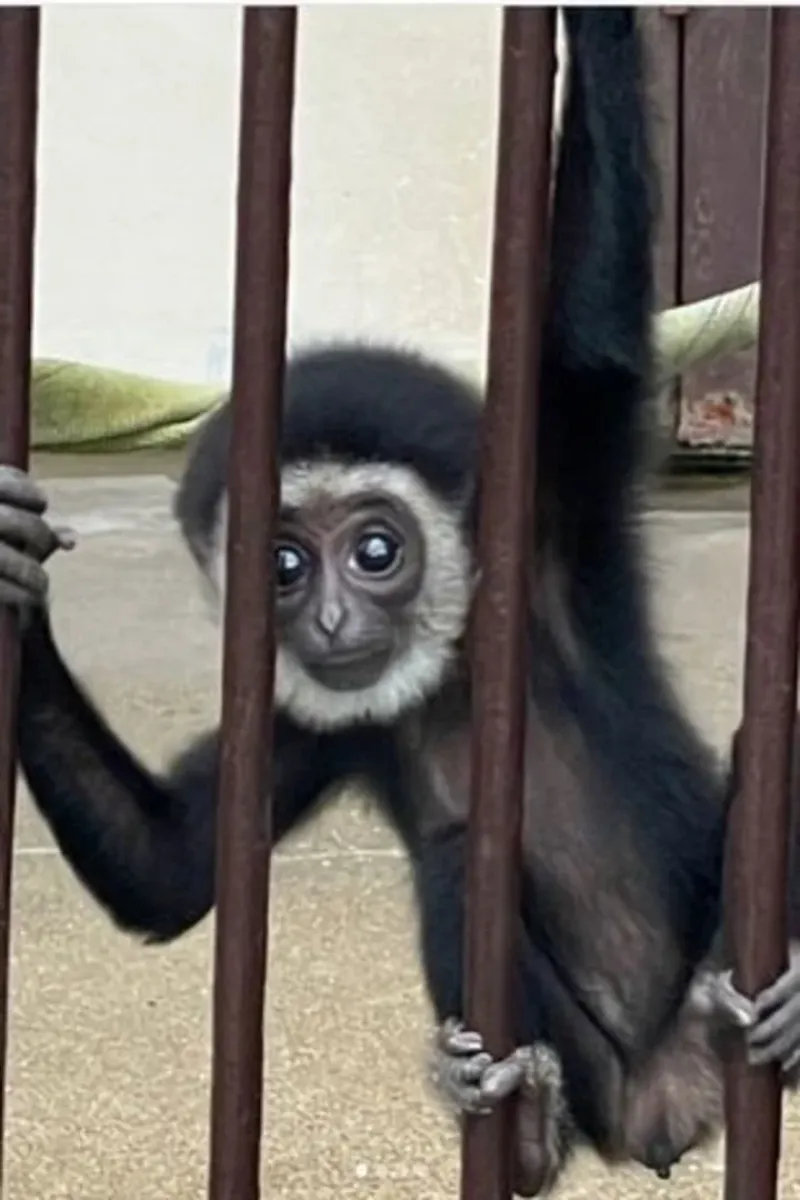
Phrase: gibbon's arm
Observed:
(596, 348)
(144, 847)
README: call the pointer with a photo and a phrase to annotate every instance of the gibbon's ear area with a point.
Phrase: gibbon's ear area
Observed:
(198, 500)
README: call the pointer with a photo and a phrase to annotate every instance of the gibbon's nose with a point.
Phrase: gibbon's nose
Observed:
(331, 617)
(331, 605)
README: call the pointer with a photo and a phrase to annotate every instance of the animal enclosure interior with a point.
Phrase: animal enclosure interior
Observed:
(539, 591)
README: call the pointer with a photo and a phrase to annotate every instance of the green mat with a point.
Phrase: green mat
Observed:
(95, 410)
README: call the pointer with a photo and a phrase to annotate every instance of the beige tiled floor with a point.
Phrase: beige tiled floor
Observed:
(109, 1059)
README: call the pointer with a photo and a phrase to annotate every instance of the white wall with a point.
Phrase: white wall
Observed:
(394, 162)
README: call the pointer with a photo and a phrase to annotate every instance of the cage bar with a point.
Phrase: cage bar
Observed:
(756, 888)
(244, 825)
(19, 72)
(504, 549)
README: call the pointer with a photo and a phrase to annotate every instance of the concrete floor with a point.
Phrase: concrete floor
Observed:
(109, 1062)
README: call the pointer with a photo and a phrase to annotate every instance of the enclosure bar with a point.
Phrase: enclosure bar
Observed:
(499, 650)
(19, 72)
(244, 825)
(756, 890)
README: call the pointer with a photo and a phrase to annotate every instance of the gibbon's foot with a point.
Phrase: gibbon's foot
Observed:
(774, 1037)
(713, 995)
(771, 1020)
(472, 1082)
(467, 1076)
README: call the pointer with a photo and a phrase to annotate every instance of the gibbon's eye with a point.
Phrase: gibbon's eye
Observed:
(377, 552)
(291, 566)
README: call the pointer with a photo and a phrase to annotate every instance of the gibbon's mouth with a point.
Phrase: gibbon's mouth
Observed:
(350, 672)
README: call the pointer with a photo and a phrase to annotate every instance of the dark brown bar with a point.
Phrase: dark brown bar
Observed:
(19, 71)
(759, 829)
(504, 545)
(244, 832)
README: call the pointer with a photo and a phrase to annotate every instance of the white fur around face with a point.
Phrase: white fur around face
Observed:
(439, 614)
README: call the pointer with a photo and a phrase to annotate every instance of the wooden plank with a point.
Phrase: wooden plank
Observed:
(724, 98)
(663, 38)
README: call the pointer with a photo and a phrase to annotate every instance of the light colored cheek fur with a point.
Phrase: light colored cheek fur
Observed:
(210, 559)
(218, 574)
(439, 614)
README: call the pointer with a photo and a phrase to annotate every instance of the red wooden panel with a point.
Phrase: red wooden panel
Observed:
(724, 95)
(663, 38)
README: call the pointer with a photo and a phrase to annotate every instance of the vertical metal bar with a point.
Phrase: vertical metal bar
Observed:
(19, 73)
(504, 548)
(244, 825)
(759, 831)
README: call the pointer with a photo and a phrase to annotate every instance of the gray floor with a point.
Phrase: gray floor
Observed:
(109, 1059)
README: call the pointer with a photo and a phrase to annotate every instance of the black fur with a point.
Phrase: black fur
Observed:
(595, 397)
(596, 392)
